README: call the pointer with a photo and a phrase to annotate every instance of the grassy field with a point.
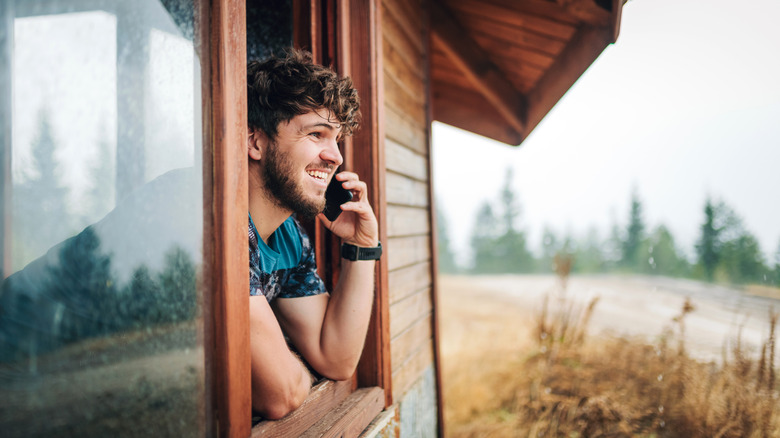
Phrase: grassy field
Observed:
(514, 371)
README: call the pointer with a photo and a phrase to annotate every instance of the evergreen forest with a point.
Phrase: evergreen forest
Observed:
(725, 250)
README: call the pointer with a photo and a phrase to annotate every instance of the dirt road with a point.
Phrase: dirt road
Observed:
(640, 306)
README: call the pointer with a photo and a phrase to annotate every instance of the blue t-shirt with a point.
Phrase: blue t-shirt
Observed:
(285, 267)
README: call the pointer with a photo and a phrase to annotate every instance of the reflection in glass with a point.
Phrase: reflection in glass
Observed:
(100, 316)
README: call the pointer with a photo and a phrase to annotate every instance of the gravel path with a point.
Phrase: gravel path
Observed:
(644, 306)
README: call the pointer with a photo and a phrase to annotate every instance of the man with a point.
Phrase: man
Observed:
(298, 111)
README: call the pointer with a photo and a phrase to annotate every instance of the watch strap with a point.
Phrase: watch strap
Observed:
(353, 253)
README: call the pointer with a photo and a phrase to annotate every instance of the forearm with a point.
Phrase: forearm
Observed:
(347, 317)
(280, 381)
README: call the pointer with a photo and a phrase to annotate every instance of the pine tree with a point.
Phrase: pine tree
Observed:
(101, 195)
(446, 259)
(708, 245)
(40, 203)
(483, 239)
(512, 252)
(661, 256)
(634, 234)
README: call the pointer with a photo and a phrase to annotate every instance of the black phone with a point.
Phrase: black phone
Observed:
(335, 195)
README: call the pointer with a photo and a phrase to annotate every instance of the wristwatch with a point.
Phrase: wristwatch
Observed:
(353, 253)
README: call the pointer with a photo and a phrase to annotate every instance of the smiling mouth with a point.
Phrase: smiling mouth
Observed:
(318, 175)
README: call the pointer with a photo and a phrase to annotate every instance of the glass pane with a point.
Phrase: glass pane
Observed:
(100, 316)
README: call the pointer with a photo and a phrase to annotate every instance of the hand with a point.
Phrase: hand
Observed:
(357, 223)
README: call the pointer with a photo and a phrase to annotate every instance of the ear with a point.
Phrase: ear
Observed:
(256, 141)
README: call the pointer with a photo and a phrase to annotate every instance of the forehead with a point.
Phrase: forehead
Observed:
(316, 118)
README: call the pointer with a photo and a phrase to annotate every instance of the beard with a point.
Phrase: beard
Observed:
(278, 175)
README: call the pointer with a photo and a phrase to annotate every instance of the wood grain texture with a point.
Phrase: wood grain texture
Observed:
(401, 29)
(397, 97)
(324, 398)
(402, 190)
(410, 340)
(410, 371)
(510, 15)
(407, 14)
(410, 309)
(409, 279)
(406, 131)
(405, 161)
(225, 219)
(409, 77)
(498, 47)
(408, 250)
(366, 70)
(477, 66)
(407, 221)
(351, 417)
(468, 110)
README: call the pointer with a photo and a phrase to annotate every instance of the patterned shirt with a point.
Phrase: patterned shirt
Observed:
(284, 267)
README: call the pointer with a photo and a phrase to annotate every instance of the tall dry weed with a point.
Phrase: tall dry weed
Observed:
(566, 384)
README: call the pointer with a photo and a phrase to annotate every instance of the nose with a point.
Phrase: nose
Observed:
(332, 154)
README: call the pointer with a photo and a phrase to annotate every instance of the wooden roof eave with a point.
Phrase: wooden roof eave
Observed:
(474, 63)
(505, 114)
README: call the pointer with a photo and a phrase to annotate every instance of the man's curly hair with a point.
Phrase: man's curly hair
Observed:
(282, 87)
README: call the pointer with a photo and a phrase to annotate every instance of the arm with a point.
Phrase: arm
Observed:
(280, 382)
(329, 331)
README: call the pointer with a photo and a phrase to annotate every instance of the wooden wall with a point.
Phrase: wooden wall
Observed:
(407, 151)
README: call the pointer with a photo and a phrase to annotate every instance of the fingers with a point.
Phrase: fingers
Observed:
(351, 181)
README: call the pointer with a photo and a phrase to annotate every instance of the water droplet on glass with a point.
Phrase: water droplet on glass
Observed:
(547, 390)
(650, 250)
(662, 423)
(544, 349)
(651, 260)
(661, 409)
(660, 377)
(543, 335)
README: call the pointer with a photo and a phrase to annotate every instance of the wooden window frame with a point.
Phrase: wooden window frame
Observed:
(349, 33)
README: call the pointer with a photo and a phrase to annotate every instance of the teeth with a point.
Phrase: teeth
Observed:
(318, 174)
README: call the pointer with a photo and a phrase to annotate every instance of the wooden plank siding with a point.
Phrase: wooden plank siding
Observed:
(407, 154)
(408, 250)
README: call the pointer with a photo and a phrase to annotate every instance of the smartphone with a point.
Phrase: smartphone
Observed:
(335, 195)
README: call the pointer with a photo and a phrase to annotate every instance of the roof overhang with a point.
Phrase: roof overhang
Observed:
(499, 66)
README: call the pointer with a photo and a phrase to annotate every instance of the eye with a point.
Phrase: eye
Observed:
(315, 134)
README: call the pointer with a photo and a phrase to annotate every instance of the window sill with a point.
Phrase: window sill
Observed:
(331, 410)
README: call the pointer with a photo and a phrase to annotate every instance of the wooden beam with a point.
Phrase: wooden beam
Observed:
(586, 11)
(617, 15)
(466, 112)
(483, 73)
(363, 39)
(351, 417)
(225, 217)
(578, 55)
(564, 11)
(324, 398)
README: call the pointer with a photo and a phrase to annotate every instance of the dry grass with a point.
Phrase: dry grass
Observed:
(514, 372)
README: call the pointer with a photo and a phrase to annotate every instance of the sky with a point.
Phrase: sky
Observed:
(685, 105)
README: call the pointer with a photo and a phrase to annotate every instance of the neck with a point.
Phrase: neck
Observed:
(266, 214)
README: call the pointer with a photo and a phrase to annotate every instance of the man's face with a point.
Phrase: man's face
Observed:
(300, 162)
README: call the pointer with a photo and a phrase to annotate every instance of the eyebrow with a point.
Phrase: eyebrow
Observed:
(321, 124)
